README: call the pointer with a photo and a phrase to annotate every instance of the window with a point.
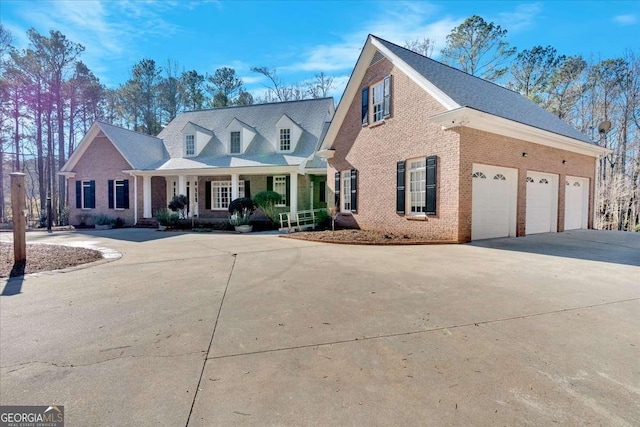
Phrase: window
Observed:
(85, 194)
(346, 191)
(280, 187)
(285, 139)
(420, 176)
(234, 147)
(377, 99)
(221, 194)
(190, 145)
(118, 194)
(322, 193)
(417, 186)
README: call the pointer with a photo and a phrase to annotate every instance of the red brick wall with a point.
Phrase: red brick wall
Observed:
(375, 150)
(102, 162)
(487, 148)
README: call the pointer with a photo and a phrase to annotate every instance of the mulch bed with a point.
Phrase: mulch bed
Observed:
(363, 237)
(44, 257)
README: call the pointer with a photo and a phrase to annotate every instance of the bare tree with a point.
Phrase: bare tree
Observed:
(422, 46)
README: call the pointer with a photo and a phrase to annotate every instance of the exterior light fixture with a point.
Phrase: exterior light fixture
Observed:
(564, 162)
(524, 154)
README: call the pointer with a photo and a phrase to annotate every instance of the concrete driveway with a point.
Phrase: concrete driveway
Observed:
(219, 329)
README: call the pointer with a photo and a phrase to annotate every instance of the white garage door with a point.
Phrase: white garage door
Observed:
(576, 203)
(493, 204)
(542, 203)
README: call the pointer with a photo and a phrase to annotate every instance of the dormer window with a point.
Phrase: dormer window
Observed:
(235, 146)
(285, 139)
(190, 145)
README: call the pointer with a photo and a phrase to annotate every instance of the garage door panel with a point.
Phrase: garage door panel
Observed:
(576, 203)
(493, 202)
(542, 202)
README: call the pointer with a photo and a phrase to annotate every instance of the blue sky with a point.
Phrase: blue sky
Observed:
(302, 38)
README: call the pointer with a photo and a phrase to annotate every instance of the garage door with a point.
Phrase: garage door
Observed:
(576, 207)
(493, 204)
(542, 203)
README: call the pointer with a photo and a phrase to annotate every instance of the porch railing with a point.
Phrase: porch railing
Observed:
(299, 220)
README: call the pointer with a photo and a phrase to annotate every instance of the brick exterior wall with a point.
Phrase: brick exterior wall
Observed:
(487, 148)
(102, 162)
(375, 150)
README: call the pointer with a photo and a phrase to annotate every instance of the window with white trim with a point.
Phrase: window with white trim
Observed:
(119, 194)
(235, 145)
(346, 191)
(88, 195)
(190, 145)
(280, 187)
(377, 102)
(417, 186)
(285, 139)
(221, 194)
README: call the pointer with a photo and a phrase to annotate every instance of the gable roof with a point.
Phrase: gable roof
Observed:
(139, 150)
(464, 96)
(310, 114)
(471, 91)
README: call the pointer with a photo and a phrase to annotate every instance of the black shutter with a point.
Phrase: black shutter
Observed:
(110, 193)
(207, 195)
(247, 189)
(79, 194)
(337, 191)
(387, 97)
(288, 190)
(400, 188)
(322, 193)
(92, 195)
(365, 106)
(269, 183)
(354, 190)
(125, 196)
(432, 187)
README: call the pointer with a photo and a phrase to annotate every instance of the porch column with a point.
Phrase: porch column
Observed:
(293, 193)
(235, 190)
(146, 196)
(182, 185)
(135, 199)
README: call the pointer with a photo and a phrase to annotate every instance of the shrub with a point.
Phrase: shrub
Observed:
(118, 223)
(166, 218)
(82, 220)
(322, 219)
(240, 217)
(103, 220)
(267, 201)
(241, 204)
(179, 204)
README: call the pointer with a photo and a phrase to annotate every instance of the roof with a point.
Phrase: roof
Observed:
(471, 91)
(310, 114)
(139, 150)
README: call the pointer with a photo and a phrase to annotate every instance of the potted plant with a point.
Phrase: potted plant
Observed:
(241, 210)
(166, 218)
(103, 222)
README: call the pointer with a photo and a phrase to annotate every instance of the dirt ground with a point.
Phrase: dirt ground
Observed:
(361, 237)
(43, 257)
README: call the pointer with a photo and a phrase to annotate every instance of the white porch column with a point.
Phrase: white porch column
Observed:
(146, 197)
(293, 193)
(235, 190)
(135, 199)
(182, 185)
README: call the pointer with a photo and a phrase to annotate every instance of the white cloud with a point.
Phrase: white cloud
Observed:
(522, 18)
(626, 19)
(408, 21)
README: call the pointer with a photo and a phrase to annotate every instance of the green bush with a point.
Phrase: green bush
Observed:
(241, 204)
(103, 219)
(166, 218)
(267, 201)
(179, 204)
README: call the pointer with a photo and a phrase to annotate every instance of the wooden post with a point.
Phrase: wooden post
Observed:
(19, 220)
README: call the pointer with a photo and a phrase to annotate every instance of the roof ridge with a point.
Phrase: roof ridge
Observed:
(128, 130)
(259, 104)
(447, 65)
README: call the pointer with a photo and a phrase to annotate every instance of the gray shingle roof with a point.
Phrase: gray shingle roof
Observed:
(311, 115)
(482, 95)
(140, 150)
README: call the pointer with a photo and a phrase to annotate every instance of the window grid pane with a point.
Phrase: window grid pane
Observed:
(417, 186)
(280, 187)
(285, 139)
(191, 145)
(86, 194)
(119, 194)
(346, 190)
(377, 100)
(235, 143)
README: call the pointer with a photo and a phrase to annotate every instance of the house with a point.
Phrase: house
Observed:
(419, 147)
(211, 156)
